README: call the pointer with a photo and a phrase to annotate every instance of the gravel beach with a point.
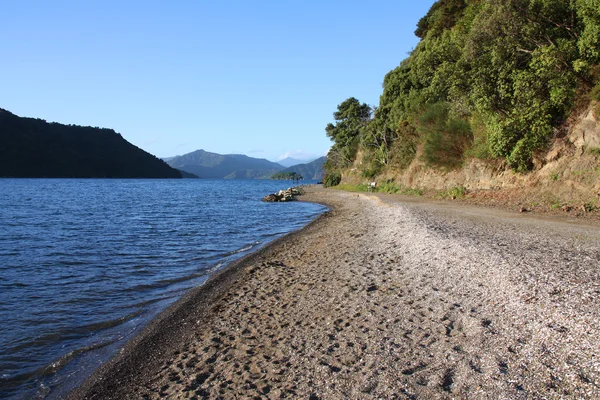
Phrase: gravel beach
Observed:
(383, 297)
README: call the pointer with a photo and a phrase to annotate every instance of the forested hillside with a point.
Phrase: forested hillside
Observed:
(312, 170)
(492, 80)
(205, 164)
(34, 148)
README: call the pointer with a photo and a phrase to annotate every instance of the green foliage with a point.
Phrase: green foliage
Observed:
(446, 138)
(480, 148)
(387, 187)
(392, 187)
(376, 140)
(456, 192)
(363, 187)
(556, 204)
(505, 71)
(332, 179)
(292, 176)
(594, 151)
(442, 15)
(555, 177)
(521, 55)
(351, 118)
(588, 12)
(404, 149)
(371, 171)
(595, 92)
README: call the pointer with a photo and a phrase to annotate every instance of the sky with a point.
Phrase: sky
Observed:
(260, 78)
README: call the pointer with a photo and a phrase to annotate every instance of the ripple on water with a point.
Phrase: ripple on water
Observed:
(86, 263)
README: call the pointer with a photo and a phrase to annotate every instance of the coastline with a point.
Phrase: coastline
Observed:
(378, 299)
(151, 346)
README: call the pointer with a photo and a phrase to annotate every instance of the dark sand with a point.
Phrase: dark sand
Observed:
(383, 299)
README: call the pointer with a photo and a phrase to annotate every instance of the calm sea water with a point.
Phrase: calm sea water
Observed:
(84, 264)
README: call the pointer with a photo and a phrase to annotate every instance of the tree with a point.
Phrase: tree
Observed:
(351, 118)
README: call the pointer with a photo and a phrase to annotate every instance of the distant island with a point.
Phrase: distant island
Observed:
(290, 176)
(34, 148)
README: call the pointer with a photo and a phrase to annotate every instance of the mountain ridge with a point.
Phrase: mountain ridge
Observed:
(290, 162)
(312, 170)
(34, 148)
(224, 166)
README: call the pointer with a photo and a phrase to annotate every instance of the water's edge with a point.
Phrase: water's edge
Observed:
(157, 331)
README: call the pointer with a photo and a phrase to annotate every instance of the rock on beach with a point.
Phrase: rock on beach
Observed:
(283, 195)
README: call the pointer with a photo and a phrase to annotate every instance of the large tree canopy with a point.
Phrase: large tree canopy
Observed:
(505, 71)
(350, 118)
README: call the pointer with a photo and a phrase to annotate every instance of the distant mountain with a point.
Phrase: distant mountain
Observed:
(289, 162)
(227, 166)
(311, 170)
(33, 148)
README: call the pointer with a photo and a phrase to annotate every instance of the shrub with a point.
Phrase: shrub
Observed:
(404, 148)
(456, 192)
(332, 179)
(446, 138)
(391, 187)
(480, 148)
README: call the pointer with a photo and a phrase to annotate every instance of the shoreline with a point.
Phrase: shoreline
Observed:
(377, 298)
(152, 343)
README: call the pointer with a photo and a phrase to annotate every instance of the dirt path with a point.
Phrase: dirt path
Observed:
(384, 298)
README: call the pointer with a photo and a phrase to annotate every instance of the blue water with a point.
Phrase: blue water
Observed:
(84, 264)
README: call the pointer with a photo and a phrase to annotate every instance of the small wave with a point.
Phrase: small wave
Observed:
(97, 326)
(63, 334)
(243, 249)
(54, 366)
(164, 282)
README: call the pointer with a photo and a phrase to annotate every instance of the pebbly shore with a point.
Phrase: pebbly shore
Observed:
(383, 297)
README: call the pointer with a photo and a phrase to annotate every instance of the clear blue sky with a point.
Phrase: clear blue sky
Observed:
(261, 78)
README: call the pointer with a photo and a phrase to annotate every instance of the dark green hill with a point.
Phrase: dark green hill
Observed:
(35, 148)
(228, 166)
(311, 170)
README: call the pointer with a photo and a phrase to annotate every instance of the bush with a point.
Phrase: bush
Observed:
(404, 148)
(371, 172)
(332, 179)
(595, 93)
(362, 187)
(391, 187)
(480, 148)
(446, 138)
(456, 192)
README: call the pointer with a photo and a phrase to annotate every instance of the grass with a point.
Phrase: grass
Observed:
(387, 187)
(363, 187)
(455, 192)
(594, 151)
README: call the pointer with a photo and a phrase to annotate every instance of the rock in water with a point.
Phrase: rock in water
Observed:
(283, 195)
(272, 198)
